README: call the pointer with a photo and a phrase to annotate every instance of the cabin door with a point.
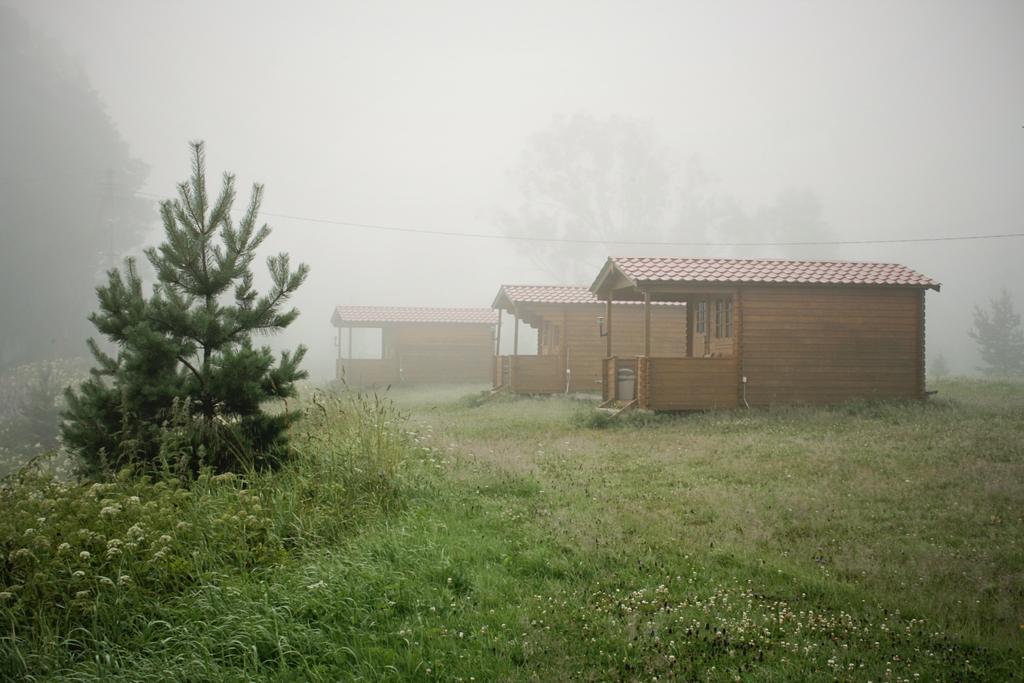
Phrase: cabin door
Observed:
(550, 339)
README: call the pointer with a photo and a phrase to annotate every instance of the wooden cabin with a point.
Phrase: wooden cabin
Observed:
(414, 345)
(762, 332)
(569, 323)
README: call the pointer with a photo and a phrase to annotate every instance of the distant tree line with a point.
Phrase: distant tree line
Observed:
(67, 203)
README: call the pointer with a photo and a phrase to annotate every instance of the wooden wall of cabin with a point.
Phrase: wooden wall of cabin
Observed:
(443, 352)
(580, 336)
(831, 344)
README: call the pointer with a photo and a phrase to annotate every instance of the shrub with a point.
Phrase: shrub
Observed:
(591, 418)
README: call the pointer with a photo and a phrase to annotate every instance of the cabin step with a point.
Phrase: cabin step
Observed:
(615, 408)
(629, 406)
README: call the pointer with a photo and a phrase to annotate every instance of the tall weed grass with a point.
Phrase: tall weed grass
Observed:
(86, 564)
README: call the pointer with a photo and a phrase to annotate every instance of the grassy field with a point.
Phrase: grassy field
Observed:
(528, 539)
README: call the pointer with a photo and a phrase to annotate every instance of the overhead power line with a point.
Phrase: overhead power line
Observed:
(618, 242)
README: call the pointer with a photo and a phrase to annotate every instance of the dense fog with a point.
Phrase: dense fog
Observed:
(714, 125)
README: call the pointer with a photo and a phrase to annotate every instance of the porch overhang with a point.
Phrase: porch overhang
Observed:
(612, 284)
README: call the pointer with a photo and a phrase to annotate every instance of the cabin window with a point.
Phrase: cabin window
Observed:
(728, 318)
(719, 318)
(556, 333)
(702, 317)
(545, 333)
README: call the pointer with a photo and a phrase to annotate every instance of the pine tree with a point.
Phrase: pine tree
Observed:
(187, 348)
(1000, 339)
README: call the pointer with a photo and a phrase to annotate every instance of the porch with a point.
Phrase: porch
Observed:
(707, 375)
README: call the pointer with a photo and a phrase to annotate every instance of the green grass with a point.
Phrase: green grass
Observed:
(521, 539)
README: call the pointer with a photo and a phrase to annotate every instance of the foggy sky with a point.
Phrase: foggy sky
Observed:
(904, 118)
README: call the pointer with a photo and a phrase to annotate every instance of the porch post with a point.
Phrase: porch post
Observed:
(515, 353)
(348, 365)
(497, 345)
(647, 323)
(337, 363)
(689, 327)
(563, 351)
(608, 325)
(515, 336)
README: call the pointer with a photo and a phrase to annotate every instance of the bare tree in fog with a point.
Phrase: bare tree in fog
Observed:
(794, 217)
(939, 367)
(999, 336)
(67, 207)
(614, 180)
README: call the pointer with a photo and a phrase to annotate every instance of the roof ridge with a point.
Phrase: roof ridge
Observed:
(415, 308)
(757, 260)
(756, 270)
(548, 286)
(413, 314)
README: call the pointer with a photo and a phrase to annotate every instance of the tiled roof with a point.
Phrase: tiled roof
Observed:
(407, 314)
(548, 294)
(556, 294)
(666, 269)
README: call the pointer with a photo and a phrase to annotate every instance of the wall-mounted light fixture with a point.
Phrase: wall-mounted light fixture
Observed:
(600, 326)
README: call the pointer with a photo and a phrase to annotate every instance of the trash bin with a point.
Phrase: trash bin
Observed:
(625, 384)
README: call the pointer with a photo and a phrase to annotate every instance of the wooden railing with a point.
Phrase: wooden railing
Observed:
(367, 372)
(688, 383)
(666, 383)
(502, 371)
(530, 374)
